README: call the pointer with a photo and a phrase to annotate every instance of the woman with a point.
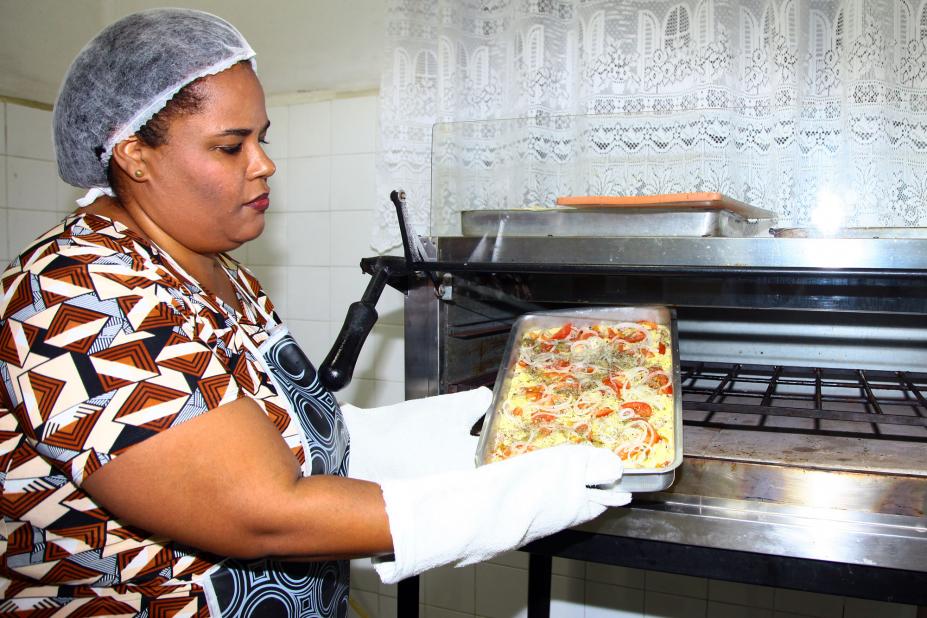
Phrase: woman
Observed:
(166, 446)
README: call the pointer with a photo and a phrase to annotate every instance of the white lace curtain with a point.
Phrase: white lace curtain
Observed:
(814, 109)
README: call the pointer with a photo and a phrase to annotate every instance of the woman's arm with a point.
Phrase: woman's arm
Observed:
(225, 482)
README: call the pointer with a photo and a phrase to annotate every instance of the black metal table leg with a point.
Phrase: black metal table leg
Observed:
(539, 585)
(407, 598)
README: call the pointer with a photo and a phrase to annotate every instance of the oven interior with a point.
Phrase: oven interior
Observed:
(804, 398)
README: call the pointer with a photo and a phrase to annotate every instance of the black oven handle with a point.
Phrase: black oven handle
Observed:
(337, 369)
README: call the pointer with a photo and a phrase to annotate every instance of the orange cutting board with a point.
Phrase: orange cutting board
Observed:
(671, 201)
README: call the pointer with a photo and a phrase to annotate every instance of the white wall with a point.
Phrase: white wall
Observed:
(32, 197)
(302, 45)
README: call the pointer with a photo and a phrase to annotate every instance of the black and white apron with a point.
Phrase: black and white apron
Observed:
(269, 588)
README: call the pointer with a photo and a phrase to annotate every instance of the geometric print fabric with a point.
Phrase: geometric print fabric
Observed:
(103, 344)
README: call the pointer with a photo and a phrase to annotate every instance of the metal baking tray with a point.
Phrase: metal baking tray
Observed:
(613, 222)
(634, 479)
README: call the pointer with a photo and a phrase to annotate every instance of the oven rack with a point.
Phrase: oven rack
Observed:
(859, 403)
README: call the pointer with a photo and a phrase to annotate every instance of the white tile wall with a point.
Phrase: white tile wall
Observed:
(728, 610)
(28, 133)
(672, 605)
(354, 125)
(28, 225)
(309, 238)
(501, 591)
(372, 393)
(4, 244)
(309, 183)
(2, 128)
(567, 597)
(352, 189)
(307, 291)
(681, 585)
(605, 601)
(861, 608)
(30, 184)
(741, 594)
(451, 588)
(317, 230)
(808, 603)
(309, 130)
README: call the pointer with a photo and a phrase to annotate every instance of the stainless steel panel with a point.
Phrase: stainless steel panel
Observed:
(850, 232)
(786, 511)
(421, 341)
(890, 542)
(623, 222)
(826, 253)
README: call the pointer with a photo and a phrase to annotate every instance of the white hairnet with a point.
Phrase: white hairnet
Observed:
(126, 75)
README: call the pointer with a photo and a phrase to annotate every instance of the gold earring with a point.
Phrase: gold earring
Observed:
(139, 173)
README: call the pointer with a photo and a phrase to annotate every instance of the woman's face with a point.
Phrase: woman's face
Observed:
(206, 188)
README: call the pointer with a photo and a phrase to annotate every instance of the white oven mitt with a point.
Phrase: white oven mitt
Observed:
(468, 516)
(415, 437)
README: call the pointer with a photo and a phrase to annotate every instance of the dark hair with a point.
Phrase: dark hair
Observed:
(187, 101)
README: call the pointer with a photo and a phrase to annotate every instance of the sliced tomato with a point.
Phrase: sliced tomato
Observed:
(661, 348)
(542, 417)
(640, 408)
(582, 429)
(564, 331)
(658, 381)
(603, 412)
(629, 453)
(517, 411)
(652, 435)
(614, 383)
(632, 336)
(533, 393)
(588, 335)
(648, 324)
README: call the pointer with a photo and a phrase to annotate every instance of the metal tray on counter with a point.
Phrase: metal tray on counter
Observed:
(614, 222)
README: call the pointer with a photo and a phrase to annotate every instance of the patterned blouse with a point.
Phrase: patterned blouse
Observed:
(104, 342)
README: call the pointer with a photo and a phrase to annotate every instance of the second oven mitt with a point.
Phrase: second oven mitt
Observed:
(415, 437)
(464, 517)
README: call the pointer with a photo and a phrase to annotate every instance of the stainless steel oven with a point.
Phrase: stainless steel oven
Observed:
(804, 374)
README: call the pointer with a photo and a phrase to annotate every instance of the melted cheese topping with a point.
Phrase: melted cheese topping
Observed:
(608, 384)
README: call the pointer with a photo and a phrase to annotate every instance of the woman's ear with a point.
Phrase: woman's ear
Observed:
(129, 156)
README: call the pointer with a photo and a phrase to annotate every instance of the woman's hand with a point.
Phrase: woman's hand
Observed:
(225, 482)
